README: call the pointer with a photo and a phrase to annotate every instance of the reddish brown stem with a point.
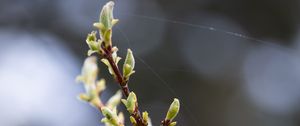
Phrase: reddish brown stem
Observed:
(123, 84)
(165, 122)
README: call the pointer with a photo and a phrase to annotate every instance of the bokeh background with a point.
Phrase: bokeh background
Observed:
(232, 63)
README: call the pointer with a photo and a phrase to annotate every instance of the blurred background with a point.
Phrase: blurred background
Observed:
(232, 63)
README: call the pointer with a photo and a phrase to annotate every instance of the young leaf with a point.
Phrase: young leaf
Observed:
(173, 124)
(110, 117)
(91, 40)
(131, 102)
(106, 15)
(128, 65)
(114, 100)
(89, 71)
(132, 120)
(173, 110)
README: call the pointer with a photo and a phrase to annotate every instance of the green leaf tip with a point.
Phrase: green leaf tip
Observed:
(100, 85)
(106, 15)
(132, 120)
(91, 40)
(106, 22)
(84, 97)
(89, 71)
(145, 116)
(173, 110)
(173, 124)
(128, 67)
(110, 117)
(114, 100)
(131, 102)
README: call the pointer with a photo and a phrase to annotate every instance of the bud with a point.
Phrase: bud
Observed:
(121, 117)
(114, 100)
(107, 38)
(130, 103)
(115, 56)
(132, 120)
(95, 100)
(91, 37)
(173, 110)
(146, 117)
(98, 25)
(128, 65)
(100, 86)
(91, 40)
(110, 69)
(84, 97)
(110, 117)
(173, 124)
(106, 15)
(116, 60)
(106, 22)
(89, 71)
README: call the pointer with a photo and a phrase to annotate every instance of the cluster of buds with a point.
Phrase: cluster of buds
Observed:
(93, 90)
(106, 22)
(102, 45)
(131, 104)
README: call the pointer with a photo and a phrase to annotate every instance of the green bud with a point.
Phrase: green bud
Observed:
(121, 117)
(107, 113)
(95, 101)
(116, 59)
(107, 38)
(115, 21)
(84, 97)
(106, 121)
(114, 100)
(98, 25)
(110, 116)
(173, 124)
(91, 40)
(146, 117)
(100, 86)
(173, 110)
(115, 56)
(132, 120)
(91, 37)
(80, 78)
(128, 65)
(130, 103)
(110, 69)
(89, 71)
(106, 15)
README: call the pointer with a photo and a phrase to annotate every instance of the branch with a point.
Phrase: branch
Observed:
(122, 83)
(108, 53)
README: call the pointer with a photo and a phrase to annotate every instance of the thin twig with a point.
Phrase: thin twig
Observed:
(122, 83)
(165, 122)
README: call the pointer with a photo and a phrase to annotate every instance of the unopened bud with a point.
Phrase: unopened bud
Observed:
(173, 110)
(106, 15)
(128, 65)
(110, 117)
(114, 100)
(173, 124)
(131, 102)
